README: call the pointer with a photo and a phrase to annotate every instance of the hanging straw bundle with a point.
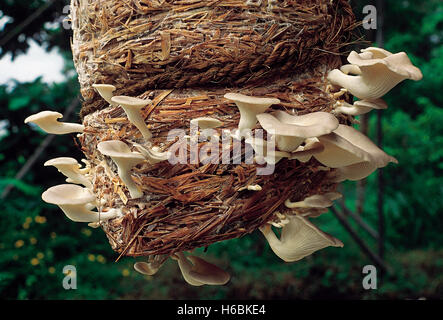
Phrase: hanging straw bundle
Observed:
(149, 68)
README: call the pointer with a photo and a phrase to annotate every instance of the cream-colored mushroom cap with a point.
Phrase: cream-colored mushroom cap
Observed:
(75, 202)
(200, 272)
(315, 201)
(299, 238)
(71, 169)
(206, 122)
(353, 172)
(304, 153)
(105, 91)
(47, 121)
(125, 160)
(146, 268)
(398, 63)
(346, 146)
(291, 131)
(380, 72)
(249, 107)
(132, 107)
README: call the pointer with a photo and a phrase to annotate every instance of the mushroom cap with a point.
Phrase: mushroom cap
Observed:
(118, 149)
(207, 273)
(306, 126)
(374, 104)
(398, 63)
(146, 268)
(238, 97)
(299, 238)
(131, 102)
(61, 161)
(44, 115)
(346, 145)
(206, 122)
(68, 194)
(107, 87)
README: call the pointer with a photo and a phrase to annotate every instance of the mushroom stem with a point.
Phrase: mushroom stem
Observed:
(132, 107)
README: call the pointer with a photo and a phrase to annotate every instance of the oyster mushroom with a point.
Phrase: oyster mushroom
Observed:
(198, 272)
(291, 131)
(153, 155)
(151, 267)
(132, 107)
(265, 152)
(346, 146)
(315, 201)
(380, 72)
(47, 121)
(249, 108)
(299, 238)
(353, 172)
(125, 160)
(105, 91)
(359, 107)
(71, 169)
(76, 202)
(304, 153)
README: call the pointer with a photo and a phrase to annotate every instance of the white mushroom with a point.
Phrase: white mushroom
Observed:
(151, 267)
(105, 91)
(249, 108)
(291, 131)
(380, 72)
(353, 172)
(71, 169)
(47, 121)
(304, 153)
(265, 151)
(132, 107)
(76, 201)
(346, 146)
(198, 272)
(299, 238)
(359, 107)
(206, 123)
(125, 160)
(153, 155)
(315, 201)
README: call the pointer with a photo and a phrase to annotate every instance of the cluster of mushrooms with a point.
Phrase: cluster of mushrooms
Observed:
(353, 156)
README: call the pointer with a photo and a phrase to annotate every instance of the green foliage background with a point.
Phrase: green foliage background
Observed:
(37, 241)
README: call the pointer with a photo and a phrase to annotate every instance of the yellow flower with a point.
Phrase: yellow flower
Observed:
(91, 257)
(53, 235)
(35, 261)
(101, 259)
(40, 219)
(87, 232)
(25, 225)
(51, 270)
(33, 240)
(125, 272)
(28, 220)
(19, 243)
(40, 255)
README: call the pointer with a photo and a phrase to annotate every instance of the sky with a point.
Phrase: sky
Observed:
(36, 62)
